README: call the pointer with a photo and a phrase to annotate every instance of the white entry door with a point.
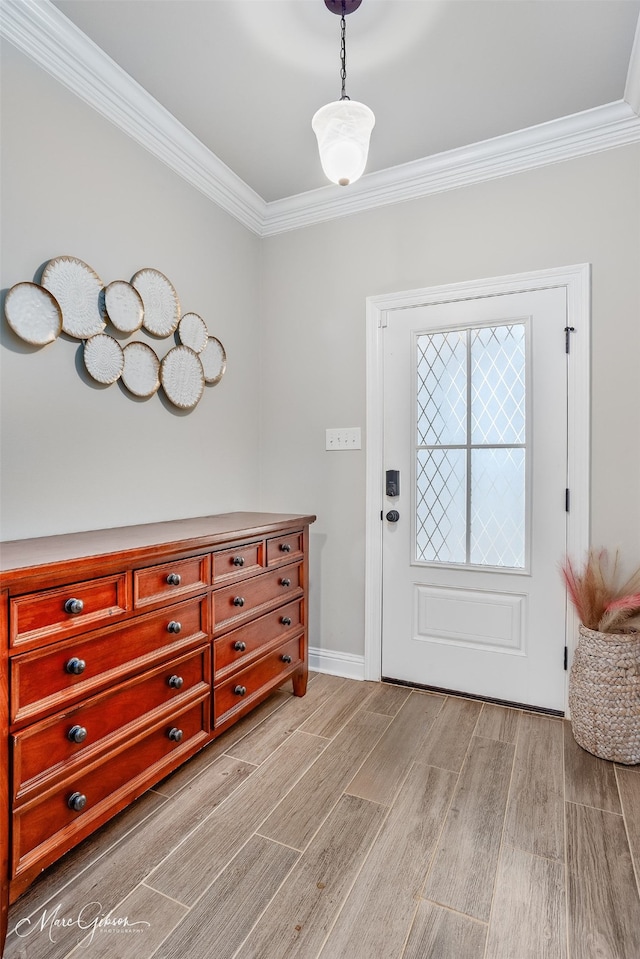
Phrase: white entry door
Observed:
(475, 423)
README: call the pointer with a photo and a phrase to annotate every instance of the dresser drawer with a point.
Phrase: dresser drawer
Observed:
(238, 562)
(233, 605)
(46, 826)
(45, 681)
(237, 692)
(54, 747)
(53, 614)
(282, 549)
(169, 582)
(242, 645)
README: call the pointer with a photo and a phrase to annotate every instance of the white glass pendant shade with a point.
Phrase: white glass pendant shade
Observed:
(343, 129)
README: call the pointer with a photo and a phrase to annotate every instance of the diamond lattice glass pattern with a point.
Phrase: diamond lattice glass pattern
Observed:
(498, 384)
(441, 483)
(471, 456)
(442, 388)
(497, 507)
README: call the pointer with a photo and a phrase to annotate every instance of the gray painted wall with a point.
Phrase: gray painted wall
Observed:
(76, 455)
(315, 285)
(291, 311)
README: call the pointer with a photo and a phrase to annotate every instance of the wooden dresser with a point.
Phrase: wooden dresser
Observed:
(127, 650)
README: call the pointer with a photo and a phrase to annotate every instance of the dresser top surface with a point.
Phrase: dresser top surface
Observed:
(196, 532)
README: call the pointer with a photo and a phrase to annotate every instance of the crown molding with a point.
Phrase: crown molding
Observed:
(52, 41)
(43, 33)
(592, 131)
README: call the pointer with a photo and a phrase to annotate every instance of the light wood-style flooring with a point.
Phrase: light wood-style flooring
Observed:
(363, 821)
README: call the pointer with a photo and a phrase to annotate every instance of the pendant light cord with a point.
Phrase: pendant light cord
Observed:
(343, 53)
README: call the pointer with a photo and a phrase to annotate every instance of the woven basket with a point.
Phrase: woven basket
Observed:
(604, 695)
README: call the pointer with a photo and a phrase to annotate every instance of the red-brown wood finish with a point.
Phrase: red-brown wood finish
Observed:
(42, 681)
(236, 604)
(49, 749)
(282, 549)
(41, 617)
(169, 582)
(102, 698)
(43, 825)
(235, 564)
(241, 646)
(5, 802)
(247, 685)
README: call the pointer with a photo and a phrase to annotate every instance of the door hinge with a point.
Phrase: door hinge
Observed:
(567, 331)
(567, 500)
(566, 657)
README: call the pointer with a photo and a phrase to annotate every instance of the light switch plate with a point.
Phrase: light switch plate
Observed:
(345, 438)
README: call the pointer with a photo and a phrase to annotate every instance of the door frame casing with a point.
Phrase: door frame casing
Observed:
(577, 282)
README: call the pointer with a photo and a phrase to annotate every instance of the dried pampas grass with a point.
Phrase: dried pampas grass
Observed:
(600, 602)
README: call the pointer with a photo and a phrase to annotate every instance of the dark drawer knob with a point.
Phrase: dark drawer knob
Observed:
(285, 547)
(76, 801)
(176, 682)
(238, 601)
(75, 666)
(173, 579)
(175, 734)
(77, 734)
(286, 658)
(73, 606)
(239, 646)
(238, 560)
(174, 626)
(240, 690)
(286, 621)
(286, 582)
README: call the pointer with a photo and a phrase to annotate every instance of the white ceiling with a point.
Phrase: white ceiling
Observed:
(246, 76)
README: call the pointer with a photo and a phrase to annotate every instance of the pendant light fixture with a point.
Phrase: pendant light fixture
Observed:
(343, 127)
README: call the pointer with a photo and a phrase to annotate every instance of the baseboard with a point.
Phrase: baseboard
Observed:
(331, 661)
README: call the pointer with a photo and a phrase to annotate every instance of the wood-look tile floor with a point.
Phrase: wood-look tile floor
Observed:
(363, 821)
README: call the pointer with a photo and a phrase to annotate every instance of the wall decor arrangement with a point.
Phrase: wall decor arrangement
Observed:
(71, 298)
